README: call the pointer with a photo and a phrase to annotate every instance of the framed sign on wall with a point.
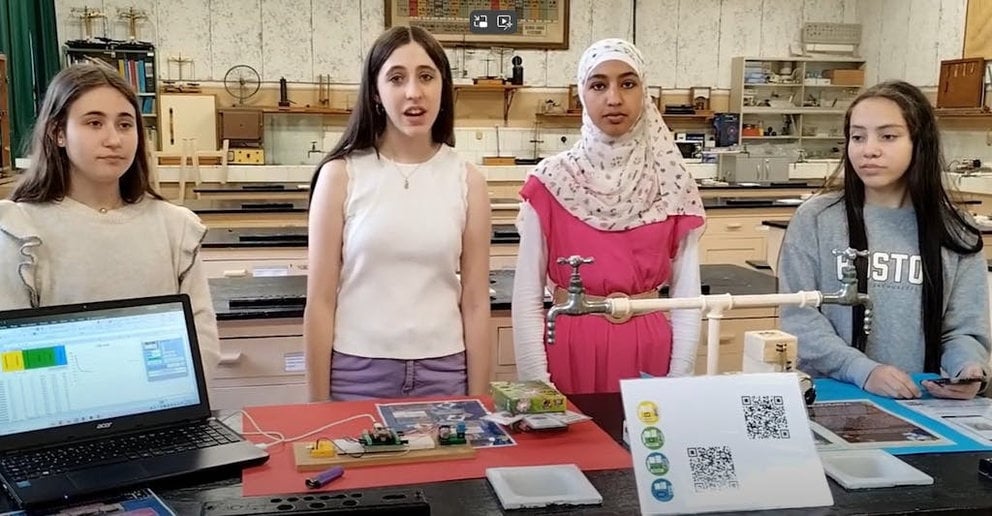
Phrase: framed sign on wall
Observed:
(540, 24)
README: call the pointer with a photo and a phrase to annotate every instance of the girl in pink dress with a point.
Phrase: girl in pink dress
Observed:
(621, 195)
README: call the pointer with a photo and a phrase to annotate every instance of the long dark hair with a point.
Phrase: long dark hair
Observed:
(47, 178)
(939, 222)
(368, 120)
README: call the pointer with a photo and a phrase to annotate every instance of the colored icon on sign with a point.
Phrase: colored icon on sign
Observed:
(652, 438)
(661, 489)
(657, 464)
(647, 412)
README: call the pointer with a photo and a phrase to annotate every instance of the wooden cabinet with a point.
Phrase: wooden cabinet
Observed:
(261, 363)
(978, 29)
(735, 236)
(235, 262)
(504, 363)
(732, 328)
(188, 116)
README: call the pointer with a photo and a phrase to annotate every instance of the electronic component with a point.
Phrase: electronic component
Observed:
(382, 439)
(447, 436)
(323, 448)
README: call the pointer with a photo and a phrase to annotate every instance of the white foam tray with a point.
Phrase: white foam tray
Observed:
(866, 469)
(540, 486)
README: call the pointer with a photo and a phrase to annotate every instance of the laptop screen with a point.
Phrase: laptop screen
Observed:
(70, 368)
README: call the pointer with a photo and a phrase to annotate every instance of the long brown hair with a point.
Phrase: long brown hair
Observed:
(939, 222)
(368, 121)
(48, 178)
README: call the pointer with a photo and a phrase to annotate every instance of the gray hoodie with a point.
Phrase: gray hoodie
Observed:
(895, 286)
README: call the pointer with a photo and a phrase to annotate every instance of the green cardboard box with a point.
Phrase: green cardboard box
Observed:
(531, 397)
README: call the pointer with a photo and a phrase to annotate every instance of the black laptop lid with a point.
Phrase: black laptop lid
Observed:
(73, 372)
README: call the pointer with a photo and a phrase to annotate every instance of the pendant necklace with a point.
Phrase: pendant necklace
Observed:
(406, 177)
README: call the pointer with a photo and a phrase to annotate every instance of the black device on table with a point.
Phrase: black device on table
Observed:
(104, 396)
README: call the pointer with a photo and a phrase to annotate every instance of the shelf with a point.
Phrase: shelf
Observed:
(841, 137)
(770, 137)
(306, 110)
(149, 115)
(769, 85)
(974, 115)
(796, 111)
(509, 90)
(563, 117)
(833, 86)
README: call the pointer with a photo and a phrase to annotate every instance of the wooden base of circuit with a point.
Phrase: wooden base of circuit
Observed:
(304, 462)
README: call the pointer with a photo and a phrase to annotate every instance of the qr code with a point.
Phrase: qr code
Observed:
(765, 417)
(712, 468)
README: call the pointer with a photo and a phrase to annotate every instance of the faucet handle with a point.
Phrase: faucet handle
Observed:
(575, 261)
(850, 253)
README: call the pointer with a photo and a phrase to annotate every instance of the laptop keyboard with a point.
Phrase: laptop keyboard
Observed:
(32, 464)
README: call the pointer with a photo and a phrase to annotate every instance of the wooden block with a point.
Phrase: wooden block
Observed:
(499, 161)
(304, 462)
(481, 81)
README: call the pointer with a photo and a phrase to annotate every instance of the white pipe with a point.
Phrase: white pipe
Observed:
(713, 307)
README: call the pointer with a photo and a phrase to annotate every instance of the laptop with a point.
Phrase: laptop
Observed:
(101, 396)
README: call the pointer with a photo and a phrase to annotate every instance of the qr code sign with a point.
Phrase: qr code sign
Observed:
(712, 468)
(765, 417)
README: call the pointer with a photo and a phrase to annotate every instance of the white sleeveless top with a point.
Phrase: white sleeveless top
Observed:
(399, 294)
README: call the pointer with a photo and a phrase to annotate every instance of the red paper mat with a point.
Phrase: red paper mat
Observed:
(584, 444)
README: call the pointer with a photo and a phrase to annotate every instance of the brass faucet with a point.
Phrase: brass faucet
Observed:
(578, 304)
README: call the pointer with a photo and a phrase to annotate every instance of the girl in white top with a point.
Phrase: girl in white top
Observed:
(398, 286)
(84, 223)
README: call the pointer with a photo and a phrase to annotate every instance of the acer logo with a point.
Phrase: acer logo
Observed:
(104, 426)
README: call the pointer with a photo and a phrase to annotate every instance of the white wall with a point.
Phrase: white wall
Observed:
(686, 42)
(907, 39)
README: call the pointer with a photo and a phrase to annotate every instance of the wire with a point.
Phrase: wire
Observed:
(279, 438)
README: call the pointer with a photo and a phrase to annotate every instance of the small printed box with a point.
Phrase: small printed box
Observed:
(530, 397)
(844, 77)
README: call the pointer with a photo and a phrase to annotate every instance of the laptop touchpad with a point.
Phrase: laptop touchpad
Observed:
(108, 477)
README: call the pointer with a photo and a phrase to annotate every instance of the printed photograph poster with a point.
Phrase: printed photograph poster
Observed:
(864, 424)
(425, 417)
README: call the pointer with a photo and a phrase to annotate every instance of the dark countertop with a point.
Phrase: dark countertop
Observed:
(255, 237)
(800, 184)
(957, 487)
(245, 206)
(784, 224)
(222, 238)
(285, 296)
(253, 187)
(716, 203)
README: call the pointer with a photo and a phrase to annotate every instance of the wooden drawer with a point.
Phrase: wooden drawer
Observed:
(236, 398)
(731, 250)
(241, 268)
(735, 225)
(262, 357)
(257, 328)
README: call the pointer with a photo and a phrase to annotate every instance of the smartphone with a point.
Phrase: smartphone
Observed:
(953, 381)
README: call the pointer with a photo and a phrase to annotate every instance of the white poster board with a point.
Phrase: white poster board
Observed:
(722, 443)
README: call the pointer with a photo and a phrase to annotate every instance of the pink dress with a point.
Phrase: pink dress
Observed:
(590, 353)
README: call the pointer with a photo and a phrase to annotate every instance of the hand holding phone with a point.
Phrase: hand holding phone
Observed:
(954, 381)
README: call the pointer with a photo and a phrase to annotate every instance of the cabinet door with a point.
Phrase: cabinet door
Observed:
(188, 116)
